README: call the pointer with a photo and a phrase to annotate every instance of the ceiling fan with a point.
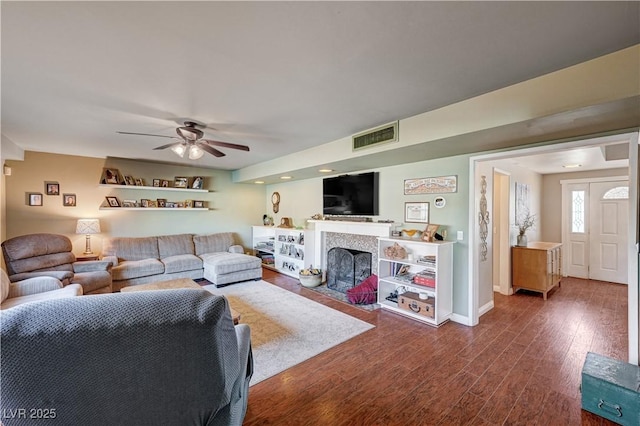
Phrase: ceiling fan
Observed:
(191, 141)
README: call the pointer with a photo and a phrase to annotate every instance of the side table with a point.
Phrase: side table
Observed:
(85, 258)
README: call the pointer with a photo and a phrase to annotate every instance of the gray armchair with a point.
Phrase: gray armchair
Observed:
(170, 357)
(33, 289)
(50, 255)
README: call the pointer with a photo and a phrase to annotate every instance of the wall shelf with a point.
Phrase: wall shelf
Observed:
(178, 209)
(152, 188)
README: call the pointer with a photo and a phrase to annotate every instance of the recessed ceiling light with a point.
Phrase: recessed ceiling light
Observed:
(285, 177)
(325, 170)
(572, 166)
(259, 182)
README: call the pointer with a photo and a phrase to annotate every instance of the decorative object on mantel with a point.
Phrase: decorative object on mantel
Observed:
(430, 232)
(317, 216)
(484, 219)
(431, 185)
(286, 222)
(267, 220)
(310, 277)
(411, 233)
(88, 227)
(395, 252)
(523, 224)
(275, 200)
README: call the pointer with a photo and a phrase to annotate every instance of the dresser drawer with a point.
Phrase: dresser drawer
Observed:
(611, 389)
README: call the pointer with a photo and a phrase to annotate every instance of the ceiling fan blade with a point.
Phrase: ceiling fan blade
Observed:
(148, 134)
(169, 145)
(210, 150)
(226, 144)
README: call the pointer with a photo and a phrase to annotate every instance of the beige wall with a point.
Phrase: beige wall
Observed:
(552, 200)
(233, 207)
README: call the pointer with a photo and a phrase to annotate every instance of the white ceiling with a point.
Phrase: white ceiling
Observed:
(277, 76)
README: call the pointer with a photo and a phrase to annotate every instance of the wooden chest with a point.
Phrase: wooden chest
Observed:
(611, 389)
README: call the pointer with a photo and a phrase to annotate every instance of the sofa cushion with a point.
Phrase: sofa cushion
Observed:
(213, 243)
(226, 263)
(172, 245)
(4, 285)
(137, 268)
(181, 262)
(131, 248)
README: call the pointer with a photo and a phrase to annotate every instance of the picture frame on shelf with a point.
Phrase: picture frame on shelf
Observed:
(112, 201)
(181, 182)
(170, 205)
(417, 212)
(139, 182)
(198, 204)
(144, 202)
(52, 188)
(198, 182)
(164, 183)
(34, 199)
(430, 232)
(152, 204)
(111, 176)
(156, 182)
(129, 203)
(128, 180)
(162, 202)
(69, 200)
(188, 204)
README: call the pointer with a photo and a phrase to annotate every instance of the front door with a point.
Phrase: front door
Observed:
(608, 231)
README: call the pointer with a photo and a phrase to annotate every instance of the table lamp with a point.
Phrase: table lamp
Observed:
(88, 227)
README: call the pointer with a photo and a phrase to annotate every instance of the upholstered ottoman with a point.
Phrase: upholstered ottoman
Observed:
(226, 268)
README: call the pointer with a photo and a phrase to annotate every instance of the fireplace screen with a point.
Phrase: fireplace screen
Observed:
(346, 268)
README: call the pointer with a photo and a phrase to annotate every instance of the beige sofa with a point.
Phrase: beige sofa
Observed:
(144, 260)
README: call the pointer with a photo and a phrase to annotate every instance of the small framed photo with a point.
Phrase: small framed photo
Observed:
(111, 176)
(198, 204)
(170, 204)
(430, 232)
(69, 200)
(139, 182)
(152, 204)
(188, 203)
(156, 182)
(128, 180)
(162, 202)
(181, 182)
(52, 188)
(179, 205)
(416, 212)
(34, 199)
(113, 201)
(129, 203)
(144, 203)
(164, 183)
(198, 182)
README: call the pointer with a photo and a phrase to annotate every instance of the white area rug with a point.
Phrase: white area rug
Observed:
(286, 329)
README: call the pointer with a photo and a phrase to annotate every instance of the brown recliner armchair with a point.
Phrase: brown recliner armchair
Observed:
(36, 255)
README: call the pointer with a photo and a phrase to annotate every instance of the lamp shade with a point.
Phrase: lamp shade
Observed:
(88, 226)
(195, 152)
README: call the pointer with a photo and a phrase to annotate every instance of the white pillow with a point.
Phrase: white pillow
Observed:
(5, 283)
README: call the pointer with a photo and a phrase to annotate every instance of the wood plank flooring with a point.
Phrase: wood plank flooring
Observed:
(520, 366)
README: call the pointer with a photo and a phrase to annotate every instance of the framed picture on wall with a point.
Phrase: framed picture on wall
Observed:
(34, 199)
(69, 200)
(52, 188)
(416, 212)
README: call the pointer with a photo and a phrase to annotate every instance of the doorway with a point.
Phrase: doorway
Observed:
(596, 229)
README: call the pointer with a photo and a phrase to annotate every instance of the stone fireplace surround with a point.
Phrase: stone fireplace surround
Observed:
(351, 235)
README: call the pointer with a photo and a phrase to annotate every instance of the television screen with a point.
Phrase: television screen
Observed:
(350, 195)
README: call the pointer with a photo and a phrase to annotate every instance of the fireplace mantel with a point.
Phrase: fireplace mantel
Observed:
(320, 227)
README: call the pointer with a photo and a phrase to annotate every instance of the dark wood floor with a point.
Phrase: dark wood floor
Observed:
(520, 365)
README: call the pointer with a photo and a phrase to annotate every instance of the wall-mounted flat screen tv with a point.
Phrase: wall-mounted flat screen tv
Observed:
(350, 195)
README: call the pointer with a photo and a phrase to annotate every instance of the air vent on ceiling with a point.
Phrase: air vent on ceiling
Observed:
(383, 134)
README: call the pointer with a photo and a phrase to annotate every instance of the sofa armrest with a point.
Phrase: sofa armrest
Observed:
(243, 334)
(236, 248)
(60, 275)
(91, 266)
(112, 259)
(33, 286)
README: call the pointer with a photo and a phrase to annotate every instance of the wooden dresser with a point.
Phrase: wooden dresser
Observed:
(536, 267)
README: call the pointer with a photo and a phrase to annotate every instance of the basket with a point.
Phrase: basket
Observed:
(310, 280)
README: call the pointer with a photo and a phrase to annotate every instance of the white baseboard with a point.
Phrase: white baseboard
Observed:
(485, 308)
(461, 319)
(496, 288)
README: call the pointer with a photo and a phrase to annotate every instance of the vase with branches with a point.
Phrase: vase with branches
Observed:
(524, 223)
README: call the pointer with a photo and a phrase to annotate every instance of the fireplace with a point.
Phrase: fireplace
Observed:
(346, 268)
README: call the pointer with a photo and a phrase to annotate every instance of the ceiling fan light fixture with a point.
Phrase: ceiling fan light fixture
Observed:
(179, 150)
(195, 152)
